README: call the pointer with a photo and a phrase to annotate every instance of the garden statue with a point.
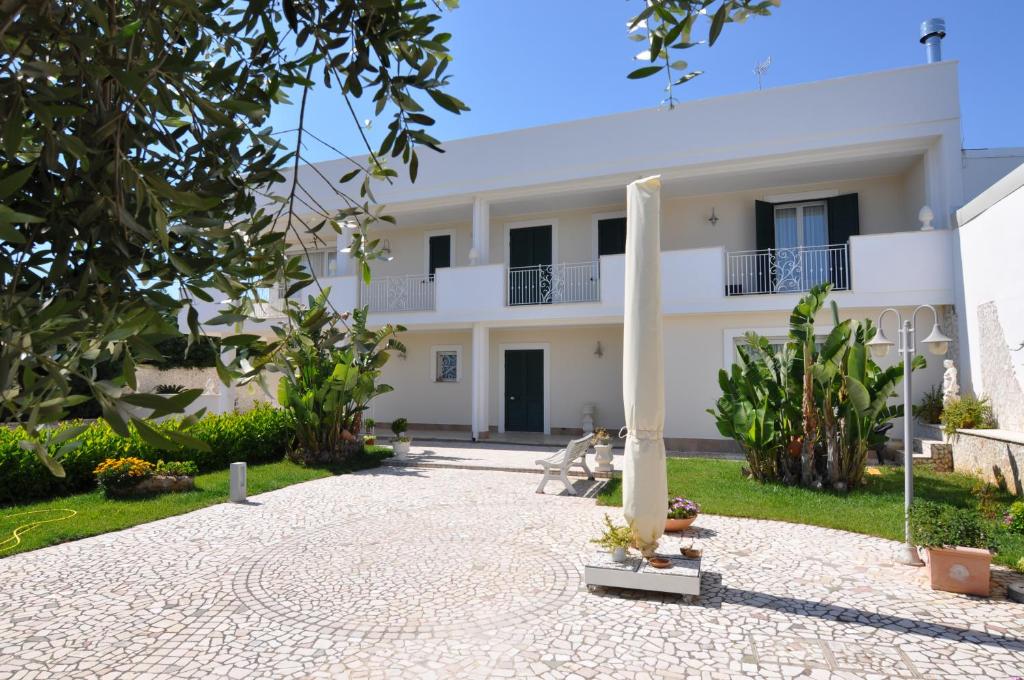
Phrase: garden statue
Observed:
(950, 383)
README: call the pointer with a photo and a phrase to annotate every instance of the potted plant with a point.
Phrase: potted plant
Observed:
(603, 450)
(401, 444)
(681, 514)
(616, 539)
(957, 547)
(369, 436)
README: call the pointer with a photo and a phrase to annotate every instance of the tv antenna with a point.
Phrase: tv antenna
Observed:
(760, 69)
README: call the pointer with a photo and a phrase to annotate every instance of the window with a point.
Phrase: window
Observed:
(445, 366)
(322, 263)
(777, 342)
(801, 237)
(804, 224)
(611, 236)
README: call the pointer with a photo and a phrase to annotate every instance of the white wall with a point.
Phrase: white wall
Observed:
(882, 203)
(578, 376)
(417, 397)
(991, 246)
(695, 350)
(876, 108)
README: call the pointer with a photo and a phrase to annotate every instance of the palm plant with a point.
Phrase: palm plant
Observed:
(808, 412)
(330, 375)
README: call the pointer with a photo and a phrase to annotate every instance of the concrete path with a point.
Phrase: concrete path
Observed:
(405, 572)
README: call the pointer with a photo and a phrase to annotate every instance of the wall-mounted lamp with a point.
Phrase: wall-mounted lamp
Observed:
(714, 218)
(385, 251)
(598, 351)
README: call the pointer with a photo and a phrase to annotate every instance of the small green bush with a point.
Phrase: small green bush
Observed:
(176, 468)
(935, 525)
(967, 413)
(261, 435)
(930, 408)
(1014, 518)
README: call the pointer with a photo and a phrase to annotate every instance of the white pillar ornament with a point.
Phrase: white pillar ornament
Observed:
(950, 383)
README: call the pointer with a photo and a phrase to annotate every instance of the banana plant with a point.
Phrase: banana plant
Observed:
(330, 374)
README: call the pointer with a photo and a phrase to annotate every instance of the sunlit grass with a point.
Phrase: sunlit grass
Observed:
(875, 509)
(97, 514)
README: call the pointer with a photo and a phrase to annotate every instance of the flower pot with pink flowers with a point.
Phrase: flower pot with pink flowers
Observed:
(682, 512)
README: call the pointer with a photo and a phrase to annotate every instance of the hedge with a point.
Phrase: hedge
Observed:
(259, 436)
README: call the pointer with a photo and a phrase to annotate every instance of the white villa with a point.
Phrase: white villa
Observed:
(508, 269)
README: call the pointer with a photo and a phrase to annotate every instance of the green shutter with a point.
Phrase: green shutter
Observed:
(843, 218)
(765, 221)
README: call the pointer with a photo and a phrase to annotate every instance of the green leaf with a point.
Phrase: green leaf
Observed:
(719, 21)
(644, 72)
(14, 181)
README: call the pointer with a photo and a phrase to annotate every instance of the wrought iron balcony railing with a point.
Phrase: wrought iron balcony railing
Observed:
(786, 270)
(547, 284)
(411, 293)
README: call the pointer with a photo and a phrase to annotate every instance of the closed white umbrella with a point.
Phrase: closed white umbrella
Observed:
(644, 484)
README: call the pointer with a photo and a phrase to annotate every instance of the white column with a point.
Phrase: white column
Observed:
(481, 232)
(481, 382)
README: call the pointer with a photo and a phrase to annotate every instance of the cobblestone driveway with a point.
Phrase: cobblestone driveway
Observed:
(399, 572)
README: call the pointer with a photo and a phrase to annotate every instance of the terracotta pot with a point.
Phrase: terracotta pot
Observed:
(679, 524)
(960, 570)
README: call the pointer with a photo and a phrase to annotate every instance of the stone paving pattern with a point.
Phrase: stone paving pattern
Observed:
(436, 573)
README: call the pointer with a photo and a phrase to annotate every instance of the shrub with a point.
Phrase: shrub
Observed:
(259, 436)
(682, 508)
(935, 525)
(176, 468)
(967, 413)
(120, 473)
(930, 408)
(399, 426)
(1013, 520)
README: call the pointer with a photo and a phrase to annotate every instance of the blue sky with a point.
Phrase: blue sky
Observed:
(520, 63)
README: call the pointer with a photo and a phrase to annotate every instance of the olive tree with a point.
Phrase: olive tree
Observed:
(137, 167)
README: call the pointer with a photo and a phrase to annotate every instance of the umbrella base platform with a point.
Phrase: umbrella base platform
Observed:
(682, 578)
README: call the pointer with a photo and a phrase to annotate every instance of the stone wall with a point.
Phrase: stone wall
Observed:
(1002, 384)
(246, 396)
(996, 456)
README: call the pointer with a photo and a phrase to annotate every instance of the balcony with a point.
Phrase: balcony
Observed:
(553, 284)
(786, 270)
(414, 293)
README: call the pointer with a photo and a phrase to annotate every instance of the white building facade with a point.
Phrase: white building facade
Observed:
(507, 262)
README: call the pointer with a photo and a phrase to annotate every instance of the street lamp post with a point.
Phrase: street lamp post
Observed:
(937, 343)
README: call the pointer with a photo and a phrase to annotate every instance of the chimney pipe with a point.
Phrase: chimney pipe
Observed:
(932, 33)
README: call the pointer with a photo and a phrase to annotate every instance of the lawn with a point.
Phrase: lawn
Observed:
(876, 509)
(98, 514)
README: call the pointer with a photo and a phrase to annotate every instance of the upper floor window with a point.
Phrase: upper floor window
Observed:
(611, 236)
(803, 224)
(322, 263)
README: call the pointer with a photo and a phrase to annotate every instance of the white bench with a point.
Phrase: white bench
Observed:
(557, 466)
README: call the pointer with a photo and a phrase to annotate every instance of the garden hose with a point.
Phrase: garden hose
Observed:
(15, 539)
